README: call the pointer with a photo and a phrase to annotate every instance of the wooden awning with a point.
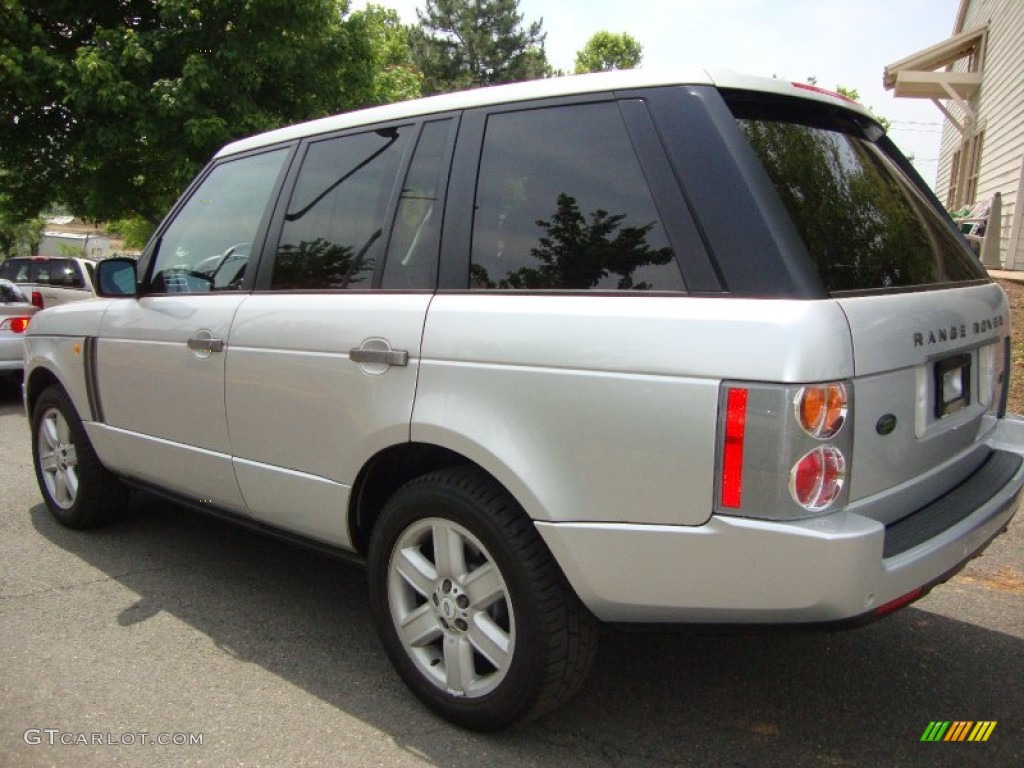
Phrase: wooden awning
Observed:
(916, 77)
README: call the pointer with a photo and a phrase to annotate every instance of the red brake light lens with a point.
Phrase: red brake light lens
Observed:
(823, 91)
(37, 299)
(821, 410)
(732, 459)
(15, 324)
(816, 479)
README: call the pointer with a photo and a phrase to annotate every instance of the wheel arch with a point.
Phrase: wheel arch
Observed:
(390, 469)
(386, 472)
(37, 382)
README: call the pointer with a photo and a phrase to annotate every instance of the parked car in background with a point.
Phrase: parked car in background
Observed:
(691, 348)
(48, 281)
(15, 314)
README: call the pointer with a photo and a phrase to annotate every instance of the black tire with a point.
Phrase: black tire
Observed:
(77, 488)
(529, 607)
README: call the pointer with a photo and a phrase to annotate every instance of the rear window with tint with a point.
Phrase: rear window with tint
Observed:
(865, 223)
(59, 272)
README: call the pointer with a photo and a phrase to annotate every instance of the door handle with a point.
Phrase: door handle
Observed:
(201, 344)
(379, 356)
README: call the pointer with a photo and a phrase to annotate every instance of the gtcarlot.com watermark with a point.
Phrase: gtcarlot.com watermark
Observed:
(55, 737)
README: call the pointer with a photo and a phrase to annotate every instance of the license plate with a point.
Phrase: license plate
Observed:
(952, 385)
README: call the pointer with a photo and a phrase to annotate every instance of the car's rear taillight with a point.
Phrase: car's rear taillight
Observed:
(817, 478)
(15, 324)
(821, 409)
(732, 458)
(784, 450)
(37, 299)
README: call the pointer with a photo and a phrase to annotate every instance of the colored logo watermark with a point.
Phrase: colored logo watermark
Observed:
(958, 730)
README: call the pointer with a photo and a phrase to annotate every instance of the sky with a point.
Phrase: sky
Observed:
(841, 42)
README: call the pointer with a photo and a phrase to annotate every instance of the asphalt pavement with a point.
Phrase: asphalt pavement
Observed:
(173, 639)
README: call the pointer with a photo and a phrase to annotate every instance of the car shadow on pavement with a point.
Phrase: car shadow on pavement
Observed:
(856, 697)
(10, 394)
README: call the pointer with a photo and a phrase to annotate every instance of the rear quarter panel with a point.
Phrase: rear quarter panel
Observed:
(605, 408)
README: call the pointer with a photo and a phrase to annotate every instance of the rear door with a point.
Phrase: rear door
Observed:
(566, 367)
(323, 358)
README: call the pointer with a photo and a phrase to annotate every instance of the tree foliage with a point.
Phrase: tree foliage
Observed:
(468, 43)
(135, 231)
(111, 106)
(18, 234)
(394, 76)
(606, 51)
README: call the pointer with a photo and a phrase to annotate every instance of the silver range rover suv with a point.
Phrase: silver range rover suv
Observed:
(621, 348)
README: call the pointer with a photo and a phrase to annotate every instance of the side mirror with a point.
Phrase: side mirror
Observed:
(116, 277)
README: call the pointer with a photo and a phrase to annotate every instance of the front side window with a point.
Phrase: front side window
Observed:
(333, 230)
(867, 227)
(208, 245)
(562, 204)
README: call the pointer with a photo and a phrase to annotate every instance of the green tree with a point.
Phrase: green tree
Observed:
(392, 72)
(18, 234)
(606, 51)
(135, 231)
(112, 105)
(467, 43)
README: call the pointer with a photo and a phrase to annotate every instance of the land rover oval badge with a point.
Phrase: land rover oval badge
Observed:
(886, 424)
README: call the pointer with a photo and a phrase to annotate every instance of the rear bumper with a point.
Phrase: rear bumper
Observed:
(735, 570)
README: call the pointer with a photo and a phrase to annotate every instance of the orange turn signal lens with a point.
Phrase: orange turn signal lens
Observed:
(821, 409)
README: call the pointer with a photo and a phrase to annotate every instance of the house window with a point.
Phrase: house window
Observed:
(964, 171)
(954, 177)
(972, 167)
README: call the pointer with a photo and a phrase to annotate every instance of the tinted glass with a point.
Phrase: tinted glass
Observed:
(866, 225)
(562, 203)
(66, 273)
(208, 245)
(45, 271)
(332, 234)
(15, 270)
(412, 253)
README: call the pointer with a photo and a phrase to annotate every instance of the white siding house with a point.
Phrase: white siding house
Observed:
(976, 78)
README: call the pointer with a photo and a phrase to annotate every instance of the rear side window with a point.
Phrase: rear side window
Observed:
(15, 270)
(866, 225)
(333, 230)
(64, 273)
(413, 249)
(562, 204)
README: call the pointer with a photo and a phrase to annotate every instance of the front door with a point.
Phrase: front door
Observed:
(160, 359)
